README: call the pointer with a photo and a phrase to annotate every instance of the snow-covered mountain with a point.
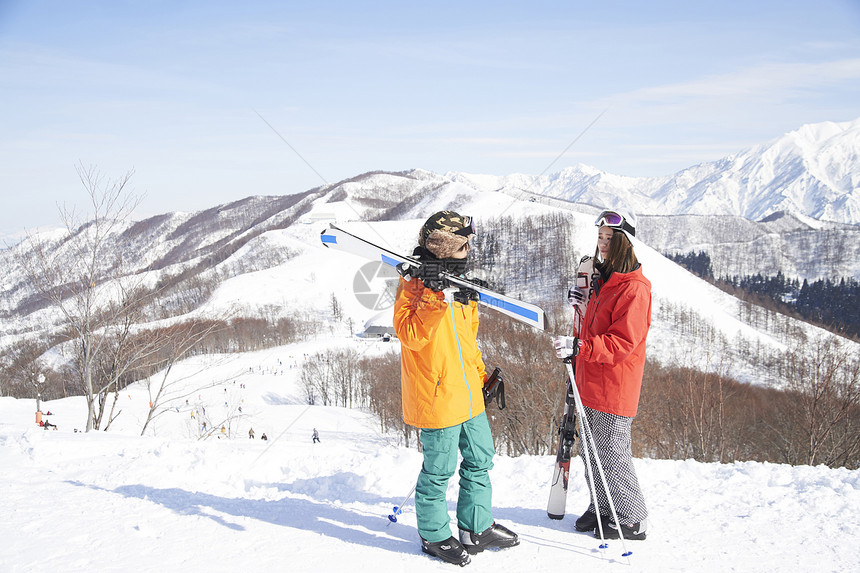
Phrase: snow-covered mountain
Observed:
(261, 257)
(813, 171)
(206, 263)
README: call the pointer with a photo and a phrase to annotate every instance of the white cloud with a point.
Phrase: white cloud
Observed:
(770, 81)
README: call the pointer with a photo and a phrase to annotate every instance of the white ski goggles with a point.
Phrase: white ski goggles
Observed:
(613, 220)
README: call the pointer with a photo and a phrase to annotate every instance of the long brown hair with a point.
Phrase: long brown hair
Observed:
(621, 258)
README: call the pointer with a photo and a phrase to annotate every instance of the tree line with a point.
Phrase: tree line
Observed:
(131, 355)
(813, 418)
(684, 413)
(828, 303)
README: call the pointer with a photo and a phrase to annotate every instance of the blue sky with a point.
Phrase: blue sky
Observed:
(170, 90)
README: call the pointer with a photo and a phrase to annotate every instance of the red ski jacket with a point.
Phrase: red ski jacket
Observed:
(612, 357)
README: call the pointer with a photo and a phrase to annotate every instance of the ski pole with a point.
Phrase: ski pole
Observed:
(586, 432)
(398, 509)
(587, 435)
(590, 437)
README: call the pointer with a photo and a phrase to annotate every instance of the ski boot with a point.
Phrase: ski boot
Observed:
(494, 536)
(449, 550)
(633, 532)
(587, 522)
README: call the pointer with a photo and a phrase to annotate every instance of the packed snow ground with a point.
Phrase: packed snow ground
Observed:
(116, 501)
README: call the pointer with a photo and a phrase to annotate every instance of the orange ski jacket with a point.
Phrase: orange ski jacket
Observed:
(611, 360)
(441, 369)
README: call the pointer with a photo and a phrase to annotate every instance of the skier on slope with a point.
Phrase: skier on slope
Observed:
(610, 358)
(442, 375)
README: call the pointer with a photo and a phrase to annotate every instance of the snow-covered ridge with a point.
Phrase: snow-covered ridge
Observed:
(263, 258)
(813, 171)
(795, 245)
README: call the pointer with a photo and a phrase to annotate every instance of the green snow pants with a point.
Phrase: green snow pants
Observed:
(474, 440)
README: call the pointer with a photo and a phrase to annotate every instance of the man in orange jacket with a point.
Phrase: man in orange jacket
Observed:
(442, 376)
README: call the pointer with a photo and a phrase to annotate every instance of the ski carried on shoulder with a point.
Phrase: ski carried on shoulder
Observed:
(338, 239)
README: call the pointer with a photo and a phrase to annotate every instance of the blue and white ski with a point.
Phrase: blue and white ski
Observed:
(341, 240)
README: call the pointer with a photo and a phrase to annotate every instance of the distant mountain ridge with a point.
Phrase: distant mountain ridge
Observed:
(207, 264)
(180, 245)
(813, 171)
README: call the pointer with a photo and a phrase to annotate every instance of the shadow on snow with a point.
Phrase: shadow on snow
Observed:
(327, 517)
(346, 524)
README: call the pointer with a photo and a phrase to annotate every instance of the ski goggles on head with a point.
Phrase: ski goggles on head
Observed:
(468, 229)
(615, 221)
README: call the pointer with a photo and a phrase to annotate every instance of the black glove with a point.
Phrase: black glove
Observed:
(494, 389)
(465, 294)
(479, 283)
(429, 272)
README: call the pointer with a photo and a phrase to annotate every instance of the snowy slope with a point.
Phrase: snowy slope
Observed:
(796, 246)
(308, 281)
(304, 282)
(117, 502)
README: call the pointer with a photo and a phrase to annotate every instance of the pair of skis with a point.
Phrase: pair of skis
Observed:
(338, 239)
(586, 282)
(561, 472)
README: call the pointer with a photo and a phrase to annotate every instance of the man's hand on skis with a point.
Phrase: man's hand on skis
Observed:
(566, 346)
(429, 272)
(465, 294)
(459, 294)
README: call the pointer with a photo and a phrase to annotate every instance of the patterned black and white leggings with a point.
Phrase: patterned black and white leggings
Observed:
(614, 447)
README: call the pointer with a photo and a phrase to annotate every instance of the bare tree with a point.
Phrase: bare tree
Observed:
(81, 273)
(336, 309)
(318, 377)
(172, 346)
(821, 421)
(124, 351)
(346, 386)
(380, 380)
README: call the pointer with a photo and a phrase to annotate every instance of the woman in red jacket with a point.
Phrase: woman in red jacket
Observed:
(610, 359)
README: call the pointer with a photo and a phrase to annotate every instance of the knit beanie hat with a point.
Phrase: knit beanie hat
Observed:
(445, 233)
